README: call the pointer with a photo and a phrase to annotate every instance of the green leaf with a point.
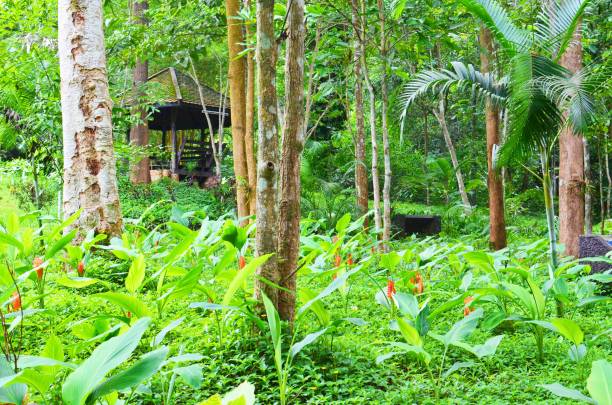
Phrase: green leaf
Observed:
(599, 382)
(244, 394)
(296, 348)
(144, 368)
(241, 276)
(127, 302)
(76, 282)
(409, 332)
(564, 392)
(569, 329)
(463, 328)
(107, 356)
(318, 308)
(162, 334)
(60, 244)
(192, 375)
(457, 366)
(343, 222)
(7, 239)
(333, 286)
(136, 274)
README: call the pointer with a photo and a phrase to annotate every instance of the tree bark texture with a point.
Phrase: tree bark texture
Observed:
(588, 195)
(90, 181)
(249, 142)
(385, 130)
(139, 134)
(495, 186)
(571, 167)
(440, 114)
(237, 84)
(293, 144)
(361, 174)
(267, 152)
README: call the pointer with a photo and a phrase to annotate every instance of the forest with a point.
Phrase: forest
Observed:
(238, 202)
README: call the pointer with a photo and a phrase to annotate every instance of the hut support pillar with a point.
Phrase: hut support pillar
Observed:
(174, 161)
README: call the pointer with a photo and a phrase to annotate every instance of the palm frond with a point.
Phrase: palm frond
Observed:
(534, 119)
(492, 14)
(462, 77)
(556, 24)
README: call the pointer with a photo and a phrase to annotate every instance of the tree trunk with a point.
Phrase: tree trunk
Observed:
(237, 78)
(139, 134)
(440, 114)
(588, 204)
(497, 225)
(571, 167)
(90, 181)
(249, 143)
(372, 118)
(361, 175)
(602, 208)
(385, 130)
(426, 155)
(293, 144)
(267, 152)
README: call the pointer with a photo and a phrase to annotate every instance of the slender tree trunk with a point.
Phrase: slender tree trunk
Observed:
(608, 177)
(90, 181)
(267, 152)
(588, 197)
(237, 79)
(249, 143)
(361, 175)
(139, 134)
(293, 144)
(602, 208)
(372, 117)
(571, 167)
(495, 186)
(426, 156)
(440, 114)
(385, 129)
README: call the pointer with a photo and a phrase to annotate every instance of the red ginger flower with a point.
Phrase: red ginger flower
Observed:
(241, 262)
(338, 260)
(349, 259)
(81, 269)
(37, 263)
(15, 304)
(334, 276)
(417, 281)
(467, 309)
(390, 288)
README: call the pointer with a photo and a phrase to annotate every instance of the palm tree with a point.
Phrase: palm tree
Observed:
(535, 94)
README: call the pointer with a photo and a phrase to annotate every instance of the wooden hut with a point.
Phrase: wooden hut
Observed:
(181, 125)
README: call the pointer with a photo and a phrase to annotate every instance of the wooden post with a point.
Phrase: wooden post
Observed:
(174, 160)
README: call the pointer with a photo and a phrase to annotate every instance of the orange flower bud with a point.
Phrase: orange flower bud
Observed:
(338, 260)
(241, 262)
(349, 259)
(81, 269)
(390, 288)
(37, 263)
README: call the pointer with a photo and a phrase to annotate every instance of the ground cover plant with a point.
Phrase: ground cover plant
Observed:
(225, 202)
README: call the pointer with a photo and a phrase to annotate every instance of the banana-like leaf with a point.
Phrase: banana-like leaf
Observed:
(599, 382)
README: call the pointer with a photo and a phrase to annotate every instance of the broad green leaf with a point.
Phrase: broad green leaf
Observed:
(296, 348)
(76, 282)
(127, 302)
(244, 394)
(191, 374)
(136, 274)
(107, 356)
(564, 392)
(343, 223)
(60, 244)
(462, 328)
(162, 334)
(214, 400)
(333, 286)
(599, 382)
(7, 239)
(569, 329)
(26, 361)
(12, 394)
(144, 368)
(241, 276)
(318, 308)
(407, 304)
(409, 332)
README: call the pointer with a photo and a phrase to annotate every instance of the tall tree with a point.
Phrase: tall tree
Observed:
(361, 175)
(237, 84)
(495, 186)
(385, 128)
(249, 144)
(139, 133)
(571, 166)
(267, 152)
(293, 144)
(90, 182)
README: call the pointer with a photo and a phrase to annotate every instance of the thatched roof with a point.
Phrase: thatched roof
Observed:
(180, 87)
